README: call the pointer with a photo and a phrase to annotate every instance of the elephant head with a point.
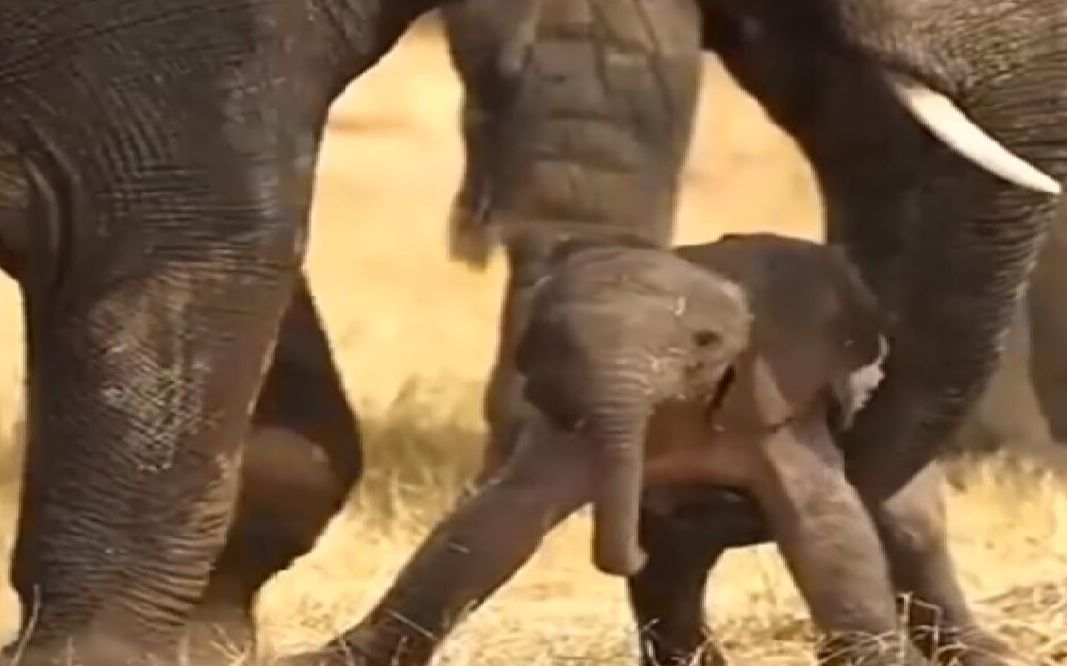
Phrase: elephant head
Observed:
(614, 330)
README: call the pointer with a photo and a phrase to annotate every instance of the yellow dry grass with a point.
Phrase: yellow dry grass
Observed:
(415, 333)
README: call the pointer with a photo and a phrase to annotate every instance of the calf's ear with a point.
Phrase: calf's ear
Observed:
(750, 397)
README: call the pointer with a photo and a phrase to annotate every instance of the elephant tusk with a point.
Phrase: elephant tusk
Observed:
(947, 122)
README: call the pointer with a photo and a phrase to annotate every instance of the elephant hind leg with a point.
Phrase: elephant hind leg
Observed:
(667, 595)
(831, 548)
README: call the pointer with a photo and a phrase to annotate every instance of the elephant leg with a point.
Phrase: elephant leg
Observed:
(912, 528)
(143, 374)
(468, 555)
(831, 547)
(302, 459)
(667, 595)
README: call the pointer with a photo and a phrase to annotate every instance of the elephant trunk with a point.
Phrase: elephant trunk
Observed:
(617, 425)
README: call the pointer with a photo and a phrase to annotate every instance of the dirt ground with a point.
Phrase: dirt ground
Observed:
(415, 334)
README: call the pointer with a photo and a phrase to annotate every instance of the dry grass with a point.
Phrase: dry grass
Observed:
(415, 334)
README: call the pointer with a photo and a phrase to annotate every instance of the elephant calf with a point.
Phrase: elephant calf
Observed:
(655, 374)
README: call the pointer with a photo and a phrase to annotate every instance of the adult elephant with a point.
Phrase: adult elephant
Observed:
(944, 216)
(157, 166)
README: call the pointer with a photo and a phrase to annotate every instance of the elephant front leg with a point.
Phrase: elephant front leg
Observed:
(912, 528)
(469, 555)
(143, 375)
(667, 595)
(831, 548)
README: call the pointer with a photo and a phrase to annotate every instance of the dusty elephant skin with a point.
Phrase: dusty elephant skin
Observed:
(155, 179)
(652, 370)
(304, 442)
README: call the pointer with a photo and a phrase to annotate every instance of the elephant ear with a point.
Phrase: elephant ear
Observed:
(751, 398)
(851, 392)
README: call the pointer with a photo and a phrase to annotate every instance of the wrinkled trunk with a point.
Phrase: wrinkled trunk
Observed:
(617, 426)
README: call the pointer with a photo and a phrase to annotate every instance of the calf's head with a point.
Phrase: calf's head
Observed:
(614, 330)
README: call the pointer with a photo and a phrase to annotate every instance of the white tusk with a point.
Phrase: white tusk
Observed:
(947, 122)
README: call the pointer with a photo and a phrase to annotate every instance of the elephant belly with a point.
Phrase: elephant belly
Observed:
(682, 448)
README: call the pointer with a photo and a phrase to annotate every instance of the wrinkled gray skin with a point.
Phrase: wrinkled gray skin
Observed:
(156, 167)
(652, 369)
(304, 443)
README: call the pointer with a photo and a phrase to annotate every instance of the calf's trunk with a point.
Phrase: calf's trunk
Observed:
(617, 426)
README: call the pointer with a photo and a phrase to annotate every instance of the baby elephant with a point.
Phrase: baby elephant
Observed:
(654, 374)
(667, 376)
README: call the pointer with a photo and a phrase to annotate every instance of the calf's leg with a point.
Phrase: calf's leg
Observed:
(667, 595)
(469, 555)
(830, 546)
